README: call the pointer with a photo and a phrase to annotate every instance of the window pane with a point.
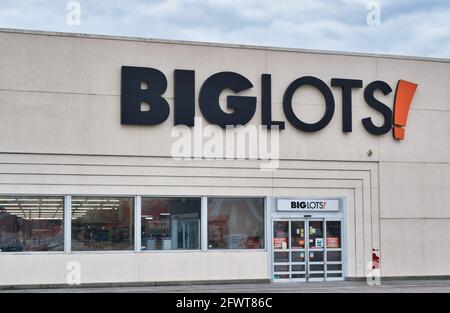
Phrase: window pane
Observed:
(281, 257)
(334, 256)
(333, 234)
(315, 234)
(31, 223)
(102, 223)
(298, 268)
(170, 223)
(334, 267)
(298, 234)
(281, 268)
(315, 256)
(298, 256)
(281, 276)
(280, 235)
(316, 267)
(235, 223)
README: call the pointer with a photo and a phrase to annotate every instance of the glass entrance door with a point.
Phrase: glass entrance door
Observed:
(281, 250)
(316, 250)
(307, 250)
(298, 250)
(334, 250)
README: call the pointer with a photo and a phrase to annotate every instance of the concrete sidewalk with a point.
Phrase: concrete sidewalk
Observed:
(427, 286)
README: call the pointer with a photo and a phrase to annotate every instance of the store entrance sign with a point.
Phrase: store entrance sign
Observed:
(307, 205)
(141, 85)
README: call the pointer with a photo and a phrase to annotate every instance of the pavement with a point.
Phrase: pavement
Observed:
(389, 286)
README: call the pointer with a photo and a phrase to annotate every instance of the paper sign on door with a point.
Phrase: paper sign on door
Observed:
(280, 243)
(332, 242)
(319, 242)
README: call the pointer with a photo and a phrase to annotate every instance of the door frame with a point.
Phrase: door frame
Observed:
(308, 248)
(274, 215)
(272, 253)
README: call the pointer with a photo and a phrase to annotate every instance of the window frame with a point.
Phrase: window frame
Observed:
(63, 224)
(67, 223)
(265, 235)
(200, 249)
(69, 213)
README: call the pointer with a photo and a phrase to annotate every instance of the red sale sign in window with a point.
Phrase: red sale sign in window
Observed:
(332, 242)
(280, 243)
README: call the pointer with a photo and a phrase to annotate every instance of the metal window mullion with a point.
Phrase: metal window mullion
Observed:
(272, 249)
(137, 224)
(341, 244)
(268, 244)
(204, 224)
(325, 259)
(306, 225)
(289, 246)
(67, 223)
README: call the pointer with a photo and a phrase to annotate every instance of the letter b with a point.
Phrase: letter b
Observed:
(133, 95)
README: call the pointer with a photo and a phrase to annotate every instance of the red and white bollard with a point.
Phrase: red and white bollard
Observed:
(373, 268)
(375, 259)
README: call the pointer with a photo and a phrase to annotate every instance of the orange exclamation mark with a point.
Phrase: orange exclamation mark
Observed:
(403, 98)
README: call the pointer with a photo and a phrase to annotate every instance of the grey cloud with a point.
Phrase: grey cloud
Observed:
(419, 27)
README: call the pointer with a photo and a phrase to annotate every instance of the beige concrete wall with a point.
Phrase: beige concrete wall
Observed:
(37, 269)
(60, 133)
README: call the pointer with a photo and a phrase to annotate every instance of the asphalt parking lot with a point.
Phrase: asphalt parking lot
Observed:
(391, 286)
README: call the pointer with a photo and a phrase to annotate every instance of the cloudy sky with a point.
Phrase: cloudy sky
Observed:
(407, 27)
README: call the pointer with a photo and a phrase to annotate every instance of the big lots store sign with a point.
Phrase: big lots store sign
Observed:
(148, 85)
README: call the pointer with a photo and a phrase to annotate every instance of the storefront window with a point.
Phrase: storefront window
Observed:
(102, 223)
(235, 223)
(31, 223)
(281, 235)
(170, 223)
(316, 235)
(297, 234)
(334, 234)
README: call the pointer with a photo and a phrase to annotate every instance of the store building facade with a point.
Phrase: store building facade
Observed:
(90, 188)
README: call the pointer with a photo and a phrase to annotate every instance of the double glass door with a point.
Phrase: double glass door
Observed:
(185, 233)
(307, 250)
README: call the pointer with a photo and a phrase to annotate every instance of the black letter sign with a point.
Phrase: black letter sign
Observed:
(329, 103)
(244, 107)
(266, 103)
(347, 85)
(133, 95)
(184, 97)
(379, 106)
